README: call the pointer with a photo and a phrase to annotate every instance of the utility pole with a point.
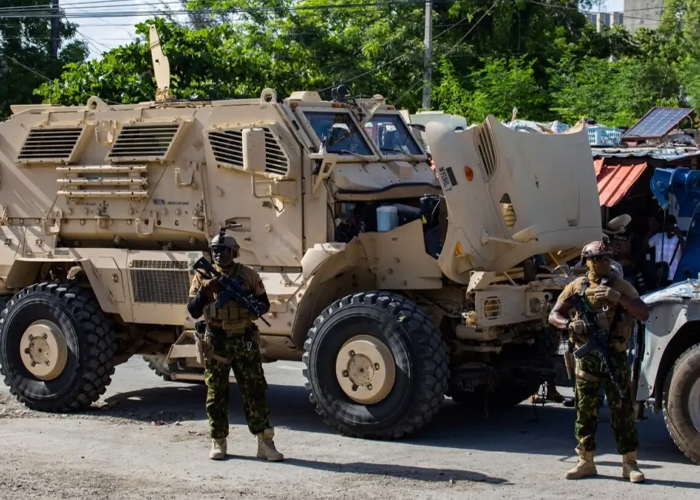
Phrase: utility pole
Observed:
(54, 29)
(427, 61)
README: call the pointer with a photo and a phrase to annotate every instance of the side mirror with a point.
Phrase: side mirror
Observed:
(254, 157)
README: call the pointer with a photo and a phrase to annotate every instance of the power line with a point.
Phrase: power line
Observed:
(46, 13)
(410, 89)
(405, 54)
(134, 4)
(567, 7)
(27, 68)
(472, 28)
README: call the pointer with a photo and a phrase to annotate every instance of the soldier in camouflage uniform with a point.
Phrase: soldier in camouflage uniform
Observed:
(624, 305)
(234, 340)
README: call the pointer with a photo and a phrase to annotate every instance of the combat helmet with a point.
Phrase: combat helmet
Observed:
(223, 240)
(595, 248)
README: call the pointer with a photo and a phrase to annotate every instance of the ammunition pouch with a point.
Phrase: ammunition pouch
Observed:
(230, 325)
(602, 321)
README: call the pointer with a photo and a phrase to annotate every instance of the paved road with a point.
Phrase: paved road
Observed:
(148, 439)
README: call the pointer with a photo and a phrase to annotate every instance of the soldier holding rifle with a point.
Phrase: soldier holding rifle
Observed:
(605, 307)
(230, 296)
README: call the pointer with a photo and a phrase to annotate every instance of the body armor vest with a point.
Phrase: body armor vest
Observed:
(231, 313)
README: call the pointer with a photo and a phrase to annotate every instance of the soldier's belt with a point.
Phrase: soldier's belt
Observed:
(229, 325)
(587, 376)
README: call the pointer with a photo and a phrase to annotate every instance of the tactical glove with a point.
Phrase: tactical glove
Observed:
(210, 287)
(577, 326)
(607, 293)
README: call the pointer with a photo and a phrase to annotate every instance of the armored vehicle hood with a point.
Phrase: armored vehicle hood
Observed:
(512, 195)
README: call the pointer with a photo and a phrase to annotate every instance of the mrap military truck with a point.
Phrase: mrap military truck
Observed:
(395, 285)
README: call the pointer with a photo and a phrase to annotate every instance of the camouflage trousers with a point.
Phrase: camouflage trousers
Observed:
(244, 353)
(587, 403)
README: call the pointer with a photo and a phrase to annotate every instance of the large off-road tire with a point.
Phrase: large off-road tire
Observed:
(681, 403)
(158, 365)
(56, 347)
(161, 368)
(378, 338)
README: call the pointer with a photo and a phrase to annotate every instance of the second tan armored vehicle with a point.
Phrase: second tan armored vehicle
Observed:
(393, 283)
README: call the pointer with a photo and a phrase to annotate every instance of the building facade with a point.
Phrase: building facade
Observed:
(642, 14)
(608, 19)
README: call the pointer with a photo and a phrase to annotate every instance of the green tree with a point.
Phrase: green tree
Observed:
(496, 88)
(306, 45)
(544, 58)
(25, 51)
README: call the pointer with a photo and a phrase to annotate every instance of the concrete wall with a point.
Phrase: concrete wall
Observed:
(642, 14)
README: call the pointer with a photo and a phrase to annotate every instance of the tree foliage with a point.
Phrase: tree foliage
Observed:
(543, 57)
(25, 52)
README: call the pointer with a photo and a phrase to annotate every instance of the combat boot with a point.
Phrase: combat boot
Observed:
(266, 446)
(585, 466)
(630, 470)
(218, 449)
(553, 395)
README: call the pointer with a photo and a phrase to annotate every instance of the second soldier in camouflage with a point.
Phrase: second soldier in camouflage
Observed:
(603, 288)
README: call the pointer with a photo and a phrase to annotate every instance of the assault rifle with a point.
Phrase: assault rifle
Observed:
(598, 338)
(231, 289)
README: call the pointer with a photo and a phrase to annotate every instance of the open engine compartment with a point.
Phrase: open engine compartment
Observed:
(350, 219)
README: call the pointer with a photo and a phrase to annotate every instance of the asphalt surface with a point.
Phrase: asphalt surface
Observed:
(147, 438)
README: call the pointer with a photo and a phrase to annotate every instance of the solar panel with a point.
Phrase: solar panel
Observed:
(657, 122)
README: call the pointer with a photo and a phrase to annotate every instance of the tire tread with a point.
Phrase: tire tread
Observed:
(676, 436)
(99, 343)
(431, 354)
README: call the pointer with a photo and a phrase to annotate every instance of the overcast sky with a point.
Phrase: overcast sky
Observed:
(103, 34)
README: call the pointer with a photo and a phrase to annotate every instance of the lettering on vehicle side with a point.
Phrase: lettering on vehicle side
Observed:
(447, 178)
(160, 201)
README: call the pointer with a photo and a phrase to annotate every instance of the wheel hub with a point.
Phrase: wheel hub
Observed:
(694, 405)
(43, 350)
(365, 369)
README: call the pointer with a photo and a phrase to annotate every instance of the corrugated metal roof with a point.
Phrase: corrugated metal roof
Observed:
(614, 180)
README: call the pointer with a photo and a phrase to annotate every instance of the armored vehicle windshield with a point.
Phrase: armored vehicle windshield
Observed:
(391, 135)
(339, 132)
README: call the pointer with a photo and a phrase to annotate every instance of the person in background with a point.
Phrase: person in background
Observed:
(668, 246)
(622, 245)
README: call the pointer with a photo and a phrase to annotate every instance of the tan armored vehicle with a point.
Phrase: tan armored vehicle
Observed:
(394, 285)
